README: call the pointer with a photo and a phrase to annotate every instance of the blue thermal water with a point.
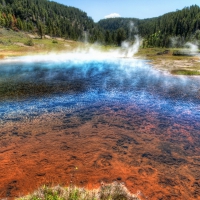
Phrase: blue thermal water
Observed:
(108, 117)
(83, 84)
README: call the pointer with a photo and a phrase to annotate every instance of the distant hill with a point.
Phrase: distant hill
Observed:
(183, 24)
(57, 20)
(112, 24)
(46, 17)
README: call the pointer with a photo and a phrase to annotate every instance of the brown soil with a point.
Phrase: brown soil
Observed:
(4, 54)
(115, 144)
(169, 64)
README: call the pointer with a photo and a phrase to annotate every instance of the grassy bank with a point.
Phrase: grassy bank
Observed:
(164, 59)
(185, 72)
(114, 191)
(14, 43)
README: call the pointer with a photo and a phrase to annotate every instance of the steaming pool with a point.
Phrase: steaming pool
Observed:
(112, 119)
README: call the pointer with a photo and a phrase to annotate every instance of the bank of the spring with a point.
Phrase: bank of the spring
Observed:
(114, 191)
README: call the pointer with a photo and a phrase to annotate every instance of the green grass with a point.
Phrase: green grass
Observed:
(185, 72)
(114, 191)
(152, 54)
(177, 65)
(14, 43)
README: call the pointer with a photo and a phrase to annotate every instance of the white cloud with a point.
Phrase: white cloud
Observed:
(112, 15)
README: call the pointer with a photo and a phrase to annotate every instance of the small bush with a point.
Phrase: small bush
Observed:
(29, 42)
(114, 191)
(54, 41)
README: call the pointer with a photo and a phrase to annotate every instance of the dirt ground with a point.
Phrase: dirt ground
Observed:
(169, 64)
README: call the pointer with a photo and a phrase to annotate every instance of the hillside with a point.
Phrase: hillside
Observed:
(183, 24)
(46, 17)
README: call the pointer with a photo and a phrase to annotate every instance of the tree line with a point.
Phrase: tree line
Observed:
(54, 19)
(45, 17)
(57, 20)
(174, 28)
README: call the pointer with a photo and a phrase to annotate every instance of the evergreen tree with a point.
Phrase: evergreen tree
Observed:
(57, 20)
(121, 36)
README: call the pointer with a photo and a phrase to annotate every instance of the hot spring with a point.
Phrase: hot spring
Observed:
(84, 120)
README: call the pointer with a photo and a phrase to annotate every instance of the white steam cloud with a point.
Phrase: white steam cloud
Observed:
(112, 15)
(193, 47)
(131, 49)
(90, 52)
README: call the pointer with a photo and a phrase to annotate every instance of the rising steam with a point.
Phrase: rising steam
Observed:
(193, 47)
(190, 47)
(131, 49)
(89, 52)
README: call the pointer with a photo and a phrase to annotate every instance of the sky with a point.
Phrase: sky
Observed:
(128, 8)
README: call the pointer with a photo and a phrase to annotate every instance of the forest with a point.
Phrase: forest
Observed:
(47, 17)
(171, 29)
(50, 18)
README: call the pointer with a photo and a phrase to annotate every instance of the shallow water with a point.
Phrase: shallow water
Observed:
(114, 119)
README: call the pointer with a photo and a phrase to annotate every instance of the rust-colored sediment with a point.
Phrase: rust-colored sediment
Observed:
(112, 145)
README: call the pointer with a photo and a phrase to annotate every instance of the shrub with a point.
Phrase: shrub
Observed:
(114, 191)
(54, 41)
(29, 42)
